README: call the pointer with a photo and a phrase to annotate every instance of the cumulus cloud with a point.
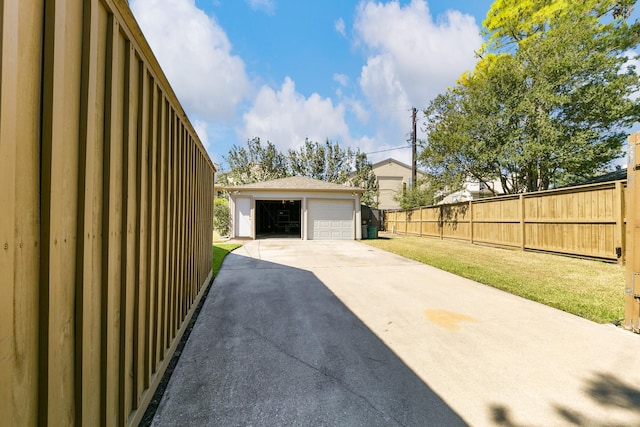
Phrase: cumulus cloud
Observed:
(343, 79)
(266, 6)
(286, 118)
(195, 54)
(412, 56)
(340, 27)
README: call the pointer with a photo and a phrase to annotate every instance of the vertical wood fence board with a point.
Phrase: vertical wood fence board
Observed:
(88, 312)
(164, 225)
(171, 197)
(154, 264)
(142, 312)
(21, 29)
(61, 75)
(114, 222)
(129, 266)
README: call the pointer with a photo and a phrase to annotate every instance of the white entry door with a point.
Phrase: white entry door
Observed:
(243, 218)
(331, 220)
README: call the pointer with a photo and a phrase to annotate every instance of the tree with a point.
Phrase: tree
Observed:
(326, 162)
(329, 162)
(414, 196)
(254, 164)
(221, 216)
(548, 100)
(364, 177)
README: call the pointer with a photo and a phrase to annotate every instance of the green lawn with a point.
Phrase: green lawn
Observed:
(590, 289)
(220, 250)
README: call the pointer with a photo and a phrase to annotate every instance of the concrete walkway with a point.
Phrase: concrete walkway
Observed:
(307, 333)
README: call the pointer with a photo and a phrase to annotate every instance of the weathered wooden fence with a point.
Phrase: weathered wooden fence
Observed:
(106, 198)
(584, 221)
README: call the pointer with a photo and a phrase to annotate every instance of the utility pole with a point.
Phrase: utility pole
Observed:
(413, 148)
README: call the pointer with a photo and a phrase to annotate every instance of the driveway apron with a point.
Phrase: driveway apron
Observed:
(337, 333)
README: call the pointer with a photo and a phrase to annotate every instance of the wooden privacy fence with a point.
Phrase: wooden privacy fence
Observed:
(584, 221)
(632, 288)
(106, 198)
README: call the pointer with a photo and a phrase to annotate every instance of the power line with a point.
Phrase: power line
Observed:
(388, 149)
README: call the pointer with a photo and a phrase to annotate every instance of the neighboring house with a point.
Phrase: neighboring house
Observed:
(473, 189)
(617, 175)
(296, 206)
(392, 176)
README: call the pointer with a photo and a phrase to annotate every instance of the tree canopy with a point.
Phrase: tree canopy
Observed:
(548, 101)
(326, 162)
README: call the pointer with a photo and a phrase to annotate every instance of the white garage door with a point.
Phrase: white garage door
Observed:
(331, 219)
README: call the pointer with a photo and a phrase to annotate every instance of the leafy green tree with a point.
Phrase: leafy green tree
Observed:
(413, 196)
(548, 101)
(329, 162)
(221, 216)
(326, 162)
(364, 177)
(255, 163)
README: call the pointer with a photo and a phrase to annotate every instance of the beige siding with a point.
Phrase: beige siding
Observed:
(391, 176)
(105, 235)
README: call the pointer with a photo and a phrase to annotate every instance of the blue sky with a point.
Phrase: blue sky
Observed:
(285, 70)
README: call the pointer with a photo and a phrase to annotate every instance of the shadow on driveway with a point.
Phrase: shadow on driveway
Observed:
(274, 346)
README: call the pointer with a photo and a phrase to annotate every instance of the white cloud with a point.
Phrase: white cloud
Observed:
(286, 118)
(201, 129)
(340, 27)
(362, 114)
(195, 54)
(412, 57)
(343, 79)
(266, 6)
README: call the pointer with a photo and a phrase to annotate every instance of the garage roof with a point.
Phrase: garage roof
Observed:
(296, 183)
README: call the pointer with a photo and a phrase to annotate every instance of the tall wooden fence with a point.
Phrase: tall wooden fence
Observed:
(105, 215)
(584, 221)
(632, 288)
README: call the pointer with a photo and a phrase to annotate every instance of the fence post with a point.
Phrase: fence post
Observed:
(620, 228)
(471, 221)
(406, 222)
(441, 221)
(522, 223)
(632, 289)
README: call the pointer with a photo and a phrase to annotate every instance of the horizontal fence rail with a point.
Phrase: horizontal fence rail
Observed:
(585, 221)
(107, 205)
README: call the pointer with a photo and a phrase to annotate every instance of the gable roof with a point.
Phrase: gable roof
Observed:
(397, 162)
(296, 183)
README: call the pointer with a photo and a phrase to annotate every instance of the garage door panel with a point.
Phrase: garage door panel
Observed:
(331, 219)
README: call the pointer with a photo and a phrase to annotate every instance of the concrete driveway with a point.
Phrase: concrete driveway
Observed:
(308, 333)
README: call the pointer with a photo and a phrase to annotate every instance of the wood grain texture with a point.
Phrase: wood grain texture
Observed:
(102, 210)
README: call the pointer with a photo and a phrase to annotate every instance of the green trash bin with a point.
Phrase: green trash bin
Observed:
(372, 232)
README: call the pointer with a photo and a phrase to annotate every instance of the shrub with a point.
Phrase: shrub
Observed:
(221, 216)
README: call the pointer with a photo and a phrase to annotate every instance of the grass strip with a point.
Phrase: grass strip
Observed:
(220, 250)
(590, 289)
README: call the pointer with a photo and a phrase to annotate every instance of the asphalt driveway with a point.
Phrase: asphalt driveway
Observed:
(307, 333)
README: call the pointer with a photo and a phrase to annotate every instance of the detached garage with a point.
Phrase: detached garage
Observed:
(295, 207)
